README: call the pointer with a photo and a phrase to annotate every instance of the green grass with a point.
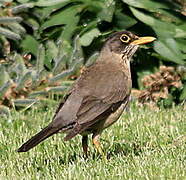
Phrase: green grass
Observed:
(143, 144)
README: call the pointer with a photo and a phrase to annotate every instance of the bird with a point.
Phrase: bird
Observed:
(98, 97)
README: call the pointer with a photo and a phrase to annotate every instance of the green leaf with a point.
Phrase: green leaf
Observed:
(24, 102)
(37, 94)
(69, 29)
(168, 49)
(40, 58)
(162, 28)
(37, 77)
(66, 73)
(10, 19)
(148, 5)
(107, 11)
(183, 94)
(92, 59)
(51, 51)
(169, 16)
(3, 1)
(92, 24)
(88, 37)
(23, 1)
(61, 76)
(60, 64)
(45, 12)
(57, 89)
(151, 21)
(52, 47)
(19, 65)
(9, 34)
(60, 58)
(31, 22)
(44, 3)
(181, 31)
(76, 53)
(4, 75)
(23, 80)
(182, 44)
(66, 16)
(17, 28)
(30, 45)
(123, 21)
(65, 51)
(21, 7)
(4, 88)
(166, 103)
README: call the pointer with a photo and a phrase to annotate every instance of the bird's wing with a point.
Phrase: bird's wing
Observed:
(96, 91)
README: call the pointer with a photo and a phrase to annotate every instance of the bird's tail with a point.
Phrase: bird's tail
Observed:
(35, 140)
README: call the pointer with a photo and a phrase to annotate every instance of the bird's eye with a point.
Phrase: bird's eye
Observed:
(124, 38)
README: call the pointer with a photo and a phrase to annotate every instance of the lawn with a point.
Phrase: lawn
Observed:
(143, 144)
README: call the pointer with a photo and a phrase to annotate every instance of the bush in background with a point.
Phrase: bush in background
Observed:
(44, 43)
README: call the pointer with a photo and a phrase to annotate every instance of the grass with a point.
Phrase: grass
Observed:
(143, 144)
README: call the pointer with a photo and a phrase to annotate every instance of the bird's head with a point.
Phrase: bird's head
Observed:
(126, 43)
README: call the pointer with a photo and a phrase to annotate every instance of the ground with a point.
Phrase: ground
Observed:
(144, 144)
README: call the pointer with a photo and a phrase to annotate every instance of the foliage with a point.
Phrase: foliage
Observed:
(163, 87)
(44, 30)
(23, 84)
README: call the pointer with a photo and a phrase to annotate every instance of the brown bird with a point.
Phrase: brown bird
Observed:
(98, 97)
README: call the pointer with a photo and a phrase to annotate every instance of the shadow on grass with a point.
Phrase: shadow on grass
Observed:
(116, 149)
(124, 149)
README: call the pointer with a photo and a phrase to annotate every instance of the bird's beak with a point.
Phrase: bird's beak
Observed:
(143, 40)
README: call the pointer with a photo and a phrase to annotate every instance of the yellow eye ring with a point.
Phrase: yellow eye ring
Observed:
(124, 38)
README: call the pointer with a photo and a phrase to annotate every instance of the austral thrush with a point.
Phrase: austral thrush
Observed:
(98, 97)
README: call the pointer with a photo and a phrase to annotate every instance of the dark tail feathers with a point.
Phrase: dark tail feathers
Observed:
(35, 140)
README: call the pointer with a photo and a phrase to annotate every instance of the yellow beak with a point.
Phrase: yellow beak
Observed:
(143, 40)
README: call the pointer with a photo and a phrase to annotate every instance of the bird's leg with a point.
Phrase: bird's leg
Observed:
(85, 145)
(95, 141)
